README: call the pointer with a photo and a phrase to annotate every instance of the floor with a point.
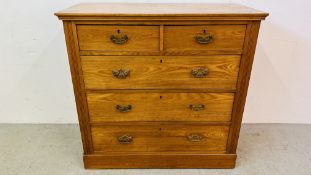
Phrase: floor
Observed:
(264, 149)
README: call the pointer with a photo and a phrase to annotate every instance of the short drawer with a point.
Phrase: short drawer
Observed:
(165, 106)
(207, 37)
(156, 72)
(160, 138)
(118, 38)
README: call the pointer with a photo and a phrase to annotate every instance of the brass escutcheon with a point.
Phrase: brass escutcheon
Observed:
(204, 38)
(197, 107)
(194, 137)
(199, 72)
(119, 39)
(125, 139)
(127, 108)
(121, 73)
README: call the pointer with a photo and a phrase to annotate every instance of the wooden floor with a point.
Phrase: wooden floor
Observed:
(264, 149)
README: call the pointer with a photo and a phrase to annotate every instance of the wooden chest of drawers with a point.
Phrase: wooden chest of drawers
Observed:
(160, 85)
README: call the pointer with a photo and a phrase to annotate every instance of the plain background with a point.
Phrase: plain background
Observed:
(35, 78)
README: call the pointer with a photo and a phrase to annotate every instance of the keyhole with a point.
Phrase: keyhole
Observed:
(160, 61)
(118, 31)
(160, 96)
(204, 31)
(160, 129)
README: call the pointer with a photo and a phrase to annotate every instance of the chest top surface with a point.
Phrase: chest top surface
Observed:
(156, 9)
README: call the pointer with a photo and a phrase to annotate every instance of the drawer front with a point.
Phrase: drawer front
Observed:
(118, 38)
(160, 138)
(155, 72)
(116, 107)
(209, 37)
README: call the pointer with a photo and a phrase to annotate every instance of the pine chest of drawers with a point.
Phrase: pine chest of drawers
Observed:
(160, 85)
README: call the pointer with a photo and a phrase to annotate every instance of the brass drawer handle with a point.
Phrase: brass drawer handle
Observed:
(199, 72)
(125, 139)
(204, 38)
(121, 73)
(119, 39)
(127, 108)
(197, 107)
(194, 137)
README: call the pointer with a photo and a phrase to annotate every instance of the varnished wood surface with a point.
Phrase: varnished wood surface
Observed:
(78, 85)
(242, 86)
(97, 37)
(160, 54)
(225, 37)
(163, 53)
(174, 72)
(173, 38)
(158, 91)
(108, 161)
(150, 106)
(162, 123)
(156, 9)
(160, 138)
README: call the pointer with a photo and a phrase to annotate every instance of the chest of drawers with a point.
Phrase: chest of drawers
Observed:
(160, 85)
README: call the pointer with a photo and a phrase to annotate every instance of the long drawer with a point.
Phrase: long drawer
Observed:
(161, 72)
(160, 138)
(165, 106)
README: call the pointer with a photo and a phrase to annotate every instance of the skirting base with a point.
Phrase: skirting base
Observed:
(112, 161)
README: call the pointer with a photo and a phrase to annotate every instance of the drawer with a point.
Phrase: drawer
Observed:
(118, 38)
(155, 72)
(116, 107)
(160, 138)
(208, 37)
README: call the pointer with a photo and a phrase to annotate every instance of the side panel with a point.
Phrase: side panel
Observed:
(78, 85)
(242, 84)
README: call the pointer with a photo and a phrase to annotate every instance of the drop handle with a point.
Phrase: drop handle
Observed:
(119, 39)
(121, 73)
(197, 107)
(125, 139)
(124, 109)
(195, 137)
(204, 38)
(199, 72)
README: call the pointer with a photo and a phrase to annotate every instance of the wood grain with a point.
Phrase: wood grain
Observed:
(78, 85)
(160, 138)
(160, 54)
(225, 37)
(156, 9)
(150, 106)
(140, 19)
(174, 72)
(153, 53)
(97, 37)
(108, 161)
(162, 123)
(158, 91)
(242, 86)
(118, 53)
(163, 22)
